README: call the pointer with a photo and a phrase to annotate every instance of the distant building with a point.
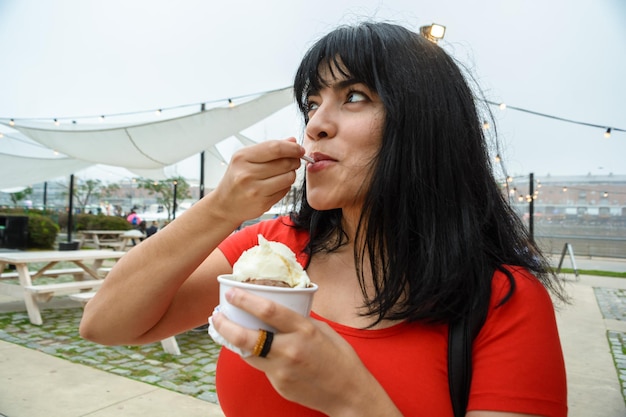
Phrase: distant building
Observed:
(581, 199)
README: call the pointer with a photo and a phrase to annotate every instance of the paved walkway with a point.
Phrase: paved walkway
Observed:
(39, 375)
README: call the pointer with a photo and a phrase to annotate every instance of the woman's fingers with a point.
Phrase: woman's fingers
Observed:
(258, 176)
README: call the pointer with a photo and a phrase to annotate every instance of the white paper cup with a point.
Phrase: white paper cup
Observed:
(297, 299)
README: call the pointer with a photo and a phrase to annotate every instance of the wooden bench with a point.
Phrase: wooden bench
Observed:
(43, 293)
(170, 345)
(78, 273)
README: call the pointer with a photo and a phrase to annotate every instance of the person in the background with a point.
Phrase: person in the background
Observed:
(154, 227)
(133, 218)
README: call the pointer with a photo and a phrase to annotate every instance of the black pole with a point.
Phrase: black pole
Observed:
(201, 174)
(174, 203)
(70, 214)
(202, 108)
(531, 207)
(45, 195)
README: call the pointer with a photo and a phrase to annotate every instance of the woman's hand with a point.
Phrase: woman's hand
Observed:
(257, 177)
(308, 362)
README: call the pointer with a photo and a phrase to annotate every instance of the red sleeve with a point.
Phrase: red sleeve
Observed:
(517, 356)
(278, 230)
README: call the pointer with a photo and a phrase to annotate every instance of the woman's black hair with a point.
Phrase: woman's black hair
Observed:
(435, 223)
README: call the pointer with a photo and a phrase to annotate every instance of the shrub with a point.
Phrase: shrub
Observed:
(100, 222)
(42, 231)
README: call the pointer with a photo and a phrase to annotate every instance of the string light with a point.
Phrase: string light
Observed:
(134, 113)
(498, 159)
(486, 125)
(608, 131)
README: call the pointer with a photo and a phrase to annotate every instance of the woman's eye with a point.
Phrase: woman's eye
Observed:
(311, 105)
(355, 97)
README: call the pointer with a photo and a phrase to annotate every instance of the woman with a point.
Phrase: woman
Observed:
(401, 224)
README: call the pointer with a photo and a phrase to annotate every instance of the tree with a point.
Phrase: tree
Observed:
(20, 195)
(110, 190)
(88, 190)
(164, 191)
(85, 190)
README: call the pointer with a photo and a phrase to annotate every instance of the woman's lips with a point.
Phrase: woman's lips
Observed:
(322, 161)
(318, 156)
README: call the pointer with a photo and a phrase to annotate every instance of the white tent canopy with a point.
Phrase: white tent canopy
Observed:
(16, 171)
(214, 169)
(144, 149)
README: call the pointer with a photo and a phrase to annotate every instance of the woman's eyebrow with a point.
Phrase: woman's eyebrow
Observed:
(336, 86)
(343, 84)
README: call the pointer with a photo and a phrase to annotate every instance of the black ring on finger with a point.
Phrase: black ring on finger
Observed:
(267, 344)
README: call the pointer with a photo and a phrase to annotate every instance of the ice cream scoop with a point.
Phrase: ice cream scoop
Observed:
(270, 263)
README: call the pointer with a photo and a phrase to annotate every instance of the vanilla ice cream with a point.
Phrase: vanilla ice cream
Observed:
(270, 263)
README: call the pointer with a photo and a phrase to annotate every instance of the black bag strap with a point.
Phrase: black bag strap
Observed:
(459, 365)
(461, 335)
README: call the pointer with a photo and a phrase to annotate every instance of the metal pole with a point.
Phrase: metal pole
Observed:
(70, 214)
(201, 174)
(174, 203)
(531, 207)
(202, 108)
(45, 195)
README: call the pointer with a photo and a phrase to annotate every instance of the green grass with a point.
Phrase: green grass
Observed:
(609, 274)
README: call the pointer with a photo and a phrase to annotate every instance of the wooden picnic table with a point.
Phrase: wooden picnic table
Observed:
(102, 238)
(87, 277)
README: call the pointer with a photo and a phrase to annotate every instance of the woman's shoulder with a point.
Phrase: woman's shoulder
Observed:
(520, 280)
(518, 297)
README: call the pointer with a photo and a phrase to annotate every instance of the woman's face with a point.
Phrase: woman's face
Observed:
(343, 135)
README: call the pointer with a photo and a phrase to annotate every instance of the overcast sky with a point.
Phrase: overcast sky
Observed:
(566, 58)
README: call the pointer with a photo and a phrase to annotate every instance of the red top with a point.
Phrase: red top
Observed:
(517, 360)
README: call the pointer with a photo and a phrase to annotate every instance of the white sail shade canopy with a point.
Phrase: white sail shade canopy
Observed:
(17, 171)
(157, 144)
(145, 149)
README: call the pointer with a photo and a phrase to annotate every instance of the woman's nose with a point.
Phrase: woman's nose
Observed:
(322, 124)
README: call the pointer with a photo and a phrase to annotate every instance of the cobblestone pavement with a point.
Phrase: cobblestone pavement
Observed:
(192, 373)
(612, 302)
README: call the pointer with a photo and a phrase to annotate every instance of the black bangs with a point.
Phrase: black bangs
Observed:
(350, 51)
